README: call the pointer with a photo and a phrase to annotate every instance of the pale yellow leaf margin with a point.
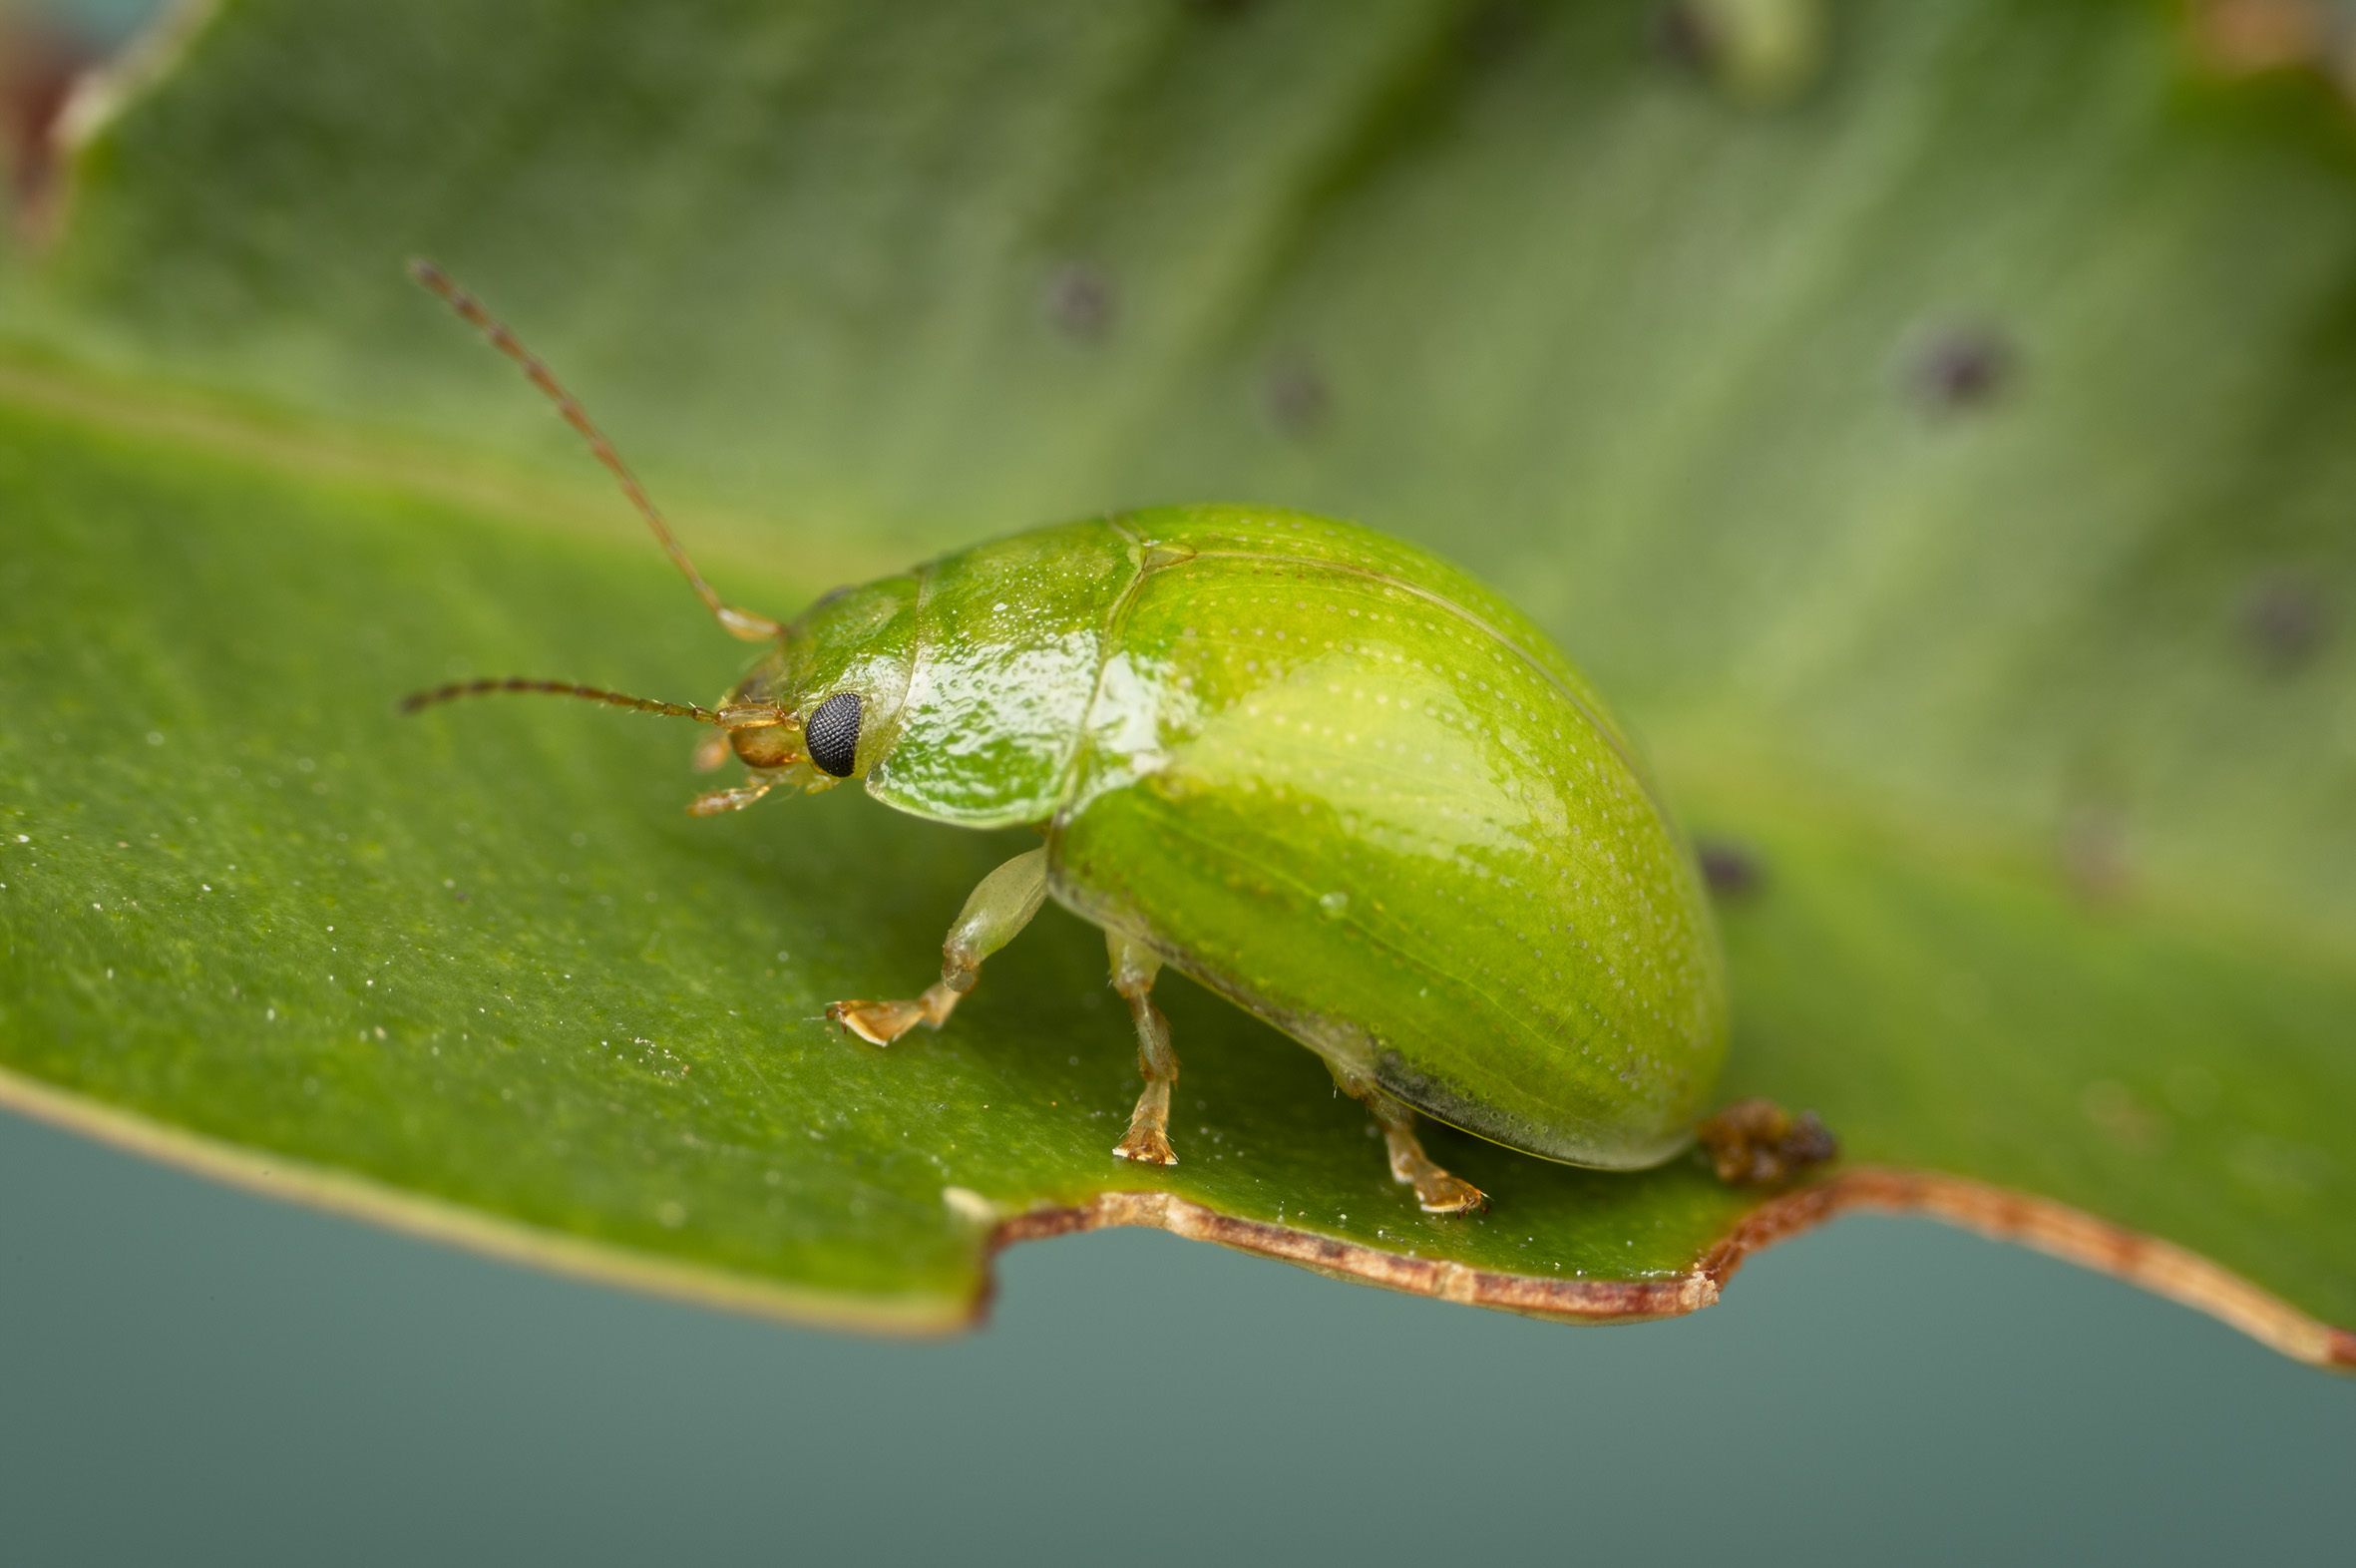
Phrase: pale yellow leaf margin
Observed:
(2157, 1266)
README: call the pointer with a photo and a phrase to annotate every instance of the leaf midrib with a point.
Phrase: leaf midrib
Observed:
(1713, 782)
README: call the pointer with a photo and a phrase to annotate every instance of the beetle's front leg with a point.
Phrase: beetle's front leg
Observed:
(1437, 1192)
(998, 908)
(1133, 969)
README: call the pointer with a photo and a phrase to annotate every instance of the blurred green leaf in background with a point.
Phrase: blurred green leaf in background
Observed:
(1931, 423)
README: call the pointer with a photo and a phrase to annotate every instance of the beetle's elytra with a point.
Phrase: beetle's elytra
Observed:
(1318, 771)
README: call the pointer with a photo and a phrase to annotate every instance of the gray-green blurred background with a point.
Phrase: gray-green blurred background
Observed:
(191, 1375)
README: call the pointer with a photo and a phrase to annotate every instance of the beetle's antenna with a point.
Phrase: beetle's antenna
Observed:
(739, 623)
(751, 715)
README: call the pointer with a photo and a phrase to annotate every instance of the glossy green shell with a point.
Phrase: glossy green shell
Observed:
(1328, 776)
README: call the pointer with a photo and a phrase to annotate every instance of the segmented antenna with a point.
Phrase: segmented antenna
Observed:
(739, 623)
(458, 689)
(735, 716)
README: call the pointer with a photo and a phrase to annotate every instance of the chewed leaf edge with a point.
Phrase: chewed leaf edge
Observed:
(2069, 1234)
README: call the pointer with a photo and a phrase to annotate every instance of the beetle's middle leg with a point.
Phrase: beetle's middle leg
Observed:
(995, 910)
(1133, 969)
(1437, 1192)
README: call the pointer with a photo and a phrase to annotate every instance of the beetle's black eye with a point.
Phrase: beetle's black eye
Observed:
(833, 734)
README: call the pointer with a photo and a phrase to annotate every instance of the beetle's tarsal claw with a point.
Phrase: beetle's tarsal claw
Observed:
(1752, 1142)
(1147, 1146)
(1149, 1138)
(1445, 1194)
(876, 1023)
(881, 1022)
(1437, 1192)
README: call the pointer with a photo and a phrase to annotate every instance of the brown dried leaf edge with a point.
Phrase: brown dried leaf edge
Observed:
(2157, 1266)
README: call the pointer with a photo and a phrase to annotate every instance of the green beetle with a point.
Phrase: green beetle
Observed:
(1320, 772)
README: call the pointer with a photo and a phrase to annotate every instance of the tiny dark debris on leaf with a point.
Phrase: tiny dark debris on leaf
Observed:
(1959, 367)
(1680, 35)
(1731, 869)
(1496, 31)
(1079, 302)
(1753, 1142)
(2285, 622)
(1760, 54)
(1295, 396)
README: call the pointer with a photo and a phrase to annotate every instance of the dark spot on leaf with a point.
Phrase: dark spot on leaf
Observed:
(1079, 302)
(1295, 396)
(1758, 53)
(1961, 367)
(1496, 31)
(1731, 869)
(2285, 620)
(1680, 36)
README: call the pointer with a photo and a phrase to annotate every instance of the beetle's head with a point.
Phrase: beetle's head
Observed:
(821, 705)
(837, 676)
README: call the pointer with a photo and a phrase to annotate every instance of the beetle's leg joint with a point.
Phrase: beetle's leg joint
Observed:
(744, 624)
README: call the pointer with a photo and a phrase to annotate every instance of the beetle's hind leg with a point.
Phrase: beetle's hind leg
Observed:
(1133, 969)
(994, 911)
(1437, 1192)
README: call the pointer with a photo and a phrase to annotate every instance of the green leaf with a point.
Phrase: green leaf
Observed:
(1944, 468)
